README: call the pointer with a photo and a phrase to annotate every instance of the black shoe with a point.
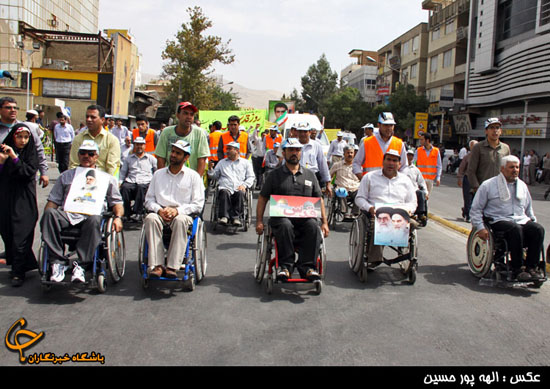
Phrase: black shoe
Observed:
(520, 275)
(535, 274)
(546, 196)
(16, 281)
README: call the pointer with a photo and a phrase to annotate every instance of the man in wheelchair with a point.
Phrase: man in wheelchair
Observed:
(344, 179)
(235, 176)
(56, 219)
(421, 188)
(175, 193)
(385, 186)
(291, 179)
(505, 202)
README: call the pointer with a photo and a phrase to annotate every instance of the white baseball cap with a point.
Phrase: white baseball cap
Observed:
(182, 145)
(386, 118)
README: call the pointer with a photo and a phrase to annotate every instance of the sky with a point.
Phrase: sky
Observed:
(274, 42)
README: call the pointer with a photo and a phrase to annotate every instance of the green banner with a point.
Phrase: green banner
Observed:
(249, 118)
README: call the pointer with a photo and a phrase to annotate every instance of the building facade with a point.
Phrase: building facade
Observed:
(403, 61)
(361, 75)
(509, 71)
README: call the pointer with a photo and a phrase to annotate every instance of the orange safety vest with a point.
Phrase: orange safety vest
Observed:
(242, 139)
(374, 155)
(427, 164)
(269, 141)
(149, 139)
(214, 142)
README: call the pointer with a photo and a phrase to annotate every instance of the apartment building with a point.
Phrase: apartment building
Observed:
(361, 74)
(446, 70)
(403, 61)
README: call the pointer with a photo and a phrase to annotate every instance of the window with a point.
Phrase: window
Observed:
(447, 58)
(516, 17)
(543, 16)
(435, 34)
(414, 71)
(433, 64)
(415, 41)
(450, 27)
(405, 49)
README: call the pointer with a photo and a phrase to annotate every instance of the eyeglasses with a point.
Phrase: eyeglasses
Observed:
(10, 108)
(90, 153)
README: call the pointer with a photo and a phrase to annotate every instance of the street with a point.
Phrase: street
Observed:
(445, 319)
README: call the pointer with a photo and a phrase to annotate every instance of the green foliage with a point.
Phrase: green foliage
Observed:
(346, 110)
(404, 103)
(318, 84)
(191, 56)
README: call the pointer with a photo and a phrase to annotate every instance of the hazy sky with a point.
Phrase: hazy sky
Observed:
(274, 42)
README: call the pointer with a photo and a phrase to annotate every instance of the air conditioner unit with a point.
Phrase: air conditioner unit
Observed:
(52, 22)
(48, 61)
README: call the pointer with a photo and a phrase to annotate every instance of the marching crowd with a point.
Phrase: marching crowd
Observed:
(161, 178)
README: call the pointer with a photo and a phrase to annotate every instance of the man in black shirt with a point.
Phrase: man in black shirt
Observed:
(291, 179)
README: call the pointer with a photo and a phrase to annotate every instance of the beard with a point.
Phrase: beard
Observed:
(293, 160)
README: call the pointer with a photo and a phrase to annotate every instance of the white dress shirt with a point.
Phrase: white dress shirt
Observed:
(377, 188)
(232, 174)
(183, 191)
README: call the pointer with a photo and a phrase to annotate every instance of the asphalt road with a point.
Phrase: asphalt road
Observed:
(445, 319)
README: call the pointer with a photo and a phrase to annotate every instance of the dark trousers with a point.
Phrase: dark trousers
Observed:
(62, 154)
(230, 205)
(54, 221)
(134, 192)
(467, 197)
(292, 233)
(258, 170)
(518, 236)
(422, 206)
(19, 252)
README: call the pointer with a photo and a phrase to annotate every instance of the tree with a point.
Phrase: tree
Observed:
(318, 84)
(224, 100)
(346, 110)
(404, 103)
(191, 56)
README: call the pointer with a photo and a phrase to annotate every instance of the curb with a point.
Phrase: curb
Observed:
(449, 224)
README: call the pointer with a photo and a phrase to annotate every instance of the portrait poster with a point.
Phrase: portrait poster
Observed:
(294, 206)
(391, 225)
(87, 193)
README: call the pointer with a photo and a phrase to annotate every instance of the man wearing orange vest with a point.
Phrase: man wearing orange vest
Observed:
(214, 140)
(428, 160)
(273, 137)
(234, 134)
(371, 152)
(146, 133)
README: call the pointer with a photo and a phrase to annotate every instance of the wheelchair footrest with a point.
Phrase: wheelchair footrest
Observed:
(401, 258)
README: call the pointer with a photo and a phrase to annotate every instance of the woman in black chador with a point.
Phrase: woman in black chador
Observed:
(18, 208)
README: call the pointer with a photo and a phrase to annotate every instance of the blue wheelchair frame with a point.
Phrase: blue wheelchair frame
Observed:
(98, 269)
(190, 259)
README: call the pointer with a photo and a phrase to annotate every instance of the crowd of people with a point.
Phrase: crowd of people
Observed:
(159, 178)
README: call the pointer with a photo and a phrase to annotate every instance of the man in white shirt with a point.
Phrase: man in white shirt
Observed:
(336, 148)
(136, 174)
(175, 194)
(234, 175)
(505, 200)
(63, 134)
(385, 186)
(120, 131)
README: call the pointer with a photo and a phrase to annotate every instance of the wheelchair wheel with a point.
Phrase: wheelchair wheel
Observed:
(480, 254)
(142, 254)
(357, 244)
(41, 259)
(331, 219)
(318, 287)
(248, 219)
(322, 258)
(101, 284)
(116, 252)
(262, 248)
(200, 250)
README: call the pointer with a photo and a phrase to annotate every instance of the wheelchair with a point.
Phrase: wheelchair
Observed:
(361, 235)
(338, 204)
(246, 218)
(490, 260)
(267, 259)
(193, 268)
(109, 256)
